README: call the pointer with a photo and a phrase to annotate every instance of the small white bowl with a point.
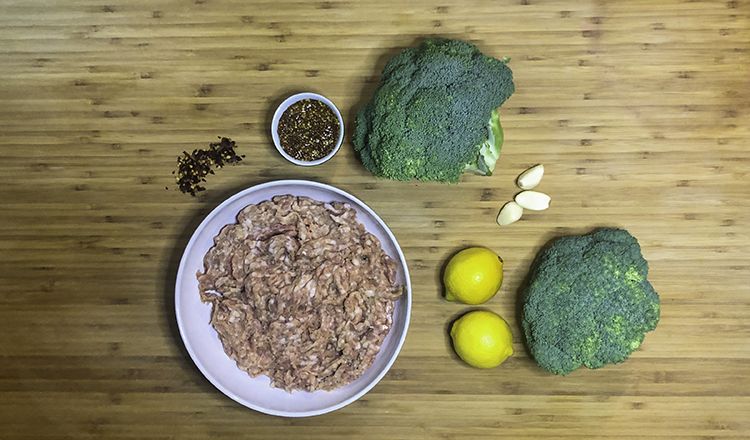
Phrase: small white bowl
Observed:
(204, 346)
(275, 126)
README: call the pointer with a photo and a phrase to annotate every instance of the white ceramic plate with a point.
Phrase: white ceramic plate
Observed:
(204, 346)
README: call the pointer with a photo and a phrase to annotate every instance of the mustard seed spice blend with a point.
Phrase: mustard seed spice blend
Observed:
(308, 130)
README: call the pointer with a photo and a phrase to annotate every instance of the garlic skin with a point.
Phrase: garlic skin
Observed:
(531, 177)
(510, 213)
(533, 200)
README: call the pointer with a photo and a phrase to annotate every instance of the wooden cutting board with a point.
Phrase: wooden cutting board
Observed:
(638, 110)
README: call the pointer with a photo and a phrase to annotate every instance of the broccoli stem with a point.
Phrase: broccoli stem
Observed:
(489, 150)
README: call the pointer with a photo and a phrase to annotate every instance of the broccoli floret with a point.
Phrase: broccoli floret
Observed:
(434, 113)
(588, 301)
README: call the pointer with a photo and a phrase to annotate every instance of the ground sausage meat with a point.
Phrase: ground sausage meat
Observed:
(300, 292)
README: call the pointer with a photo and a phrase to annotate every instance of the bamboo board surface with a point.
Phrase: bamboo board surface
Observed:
(637, 108)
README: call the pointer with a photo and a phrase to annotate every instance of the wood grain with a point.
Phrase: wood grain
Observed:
(638, 109)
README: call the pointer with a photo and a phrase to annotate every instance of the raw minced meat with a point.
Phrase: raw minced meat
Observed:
(300, 292)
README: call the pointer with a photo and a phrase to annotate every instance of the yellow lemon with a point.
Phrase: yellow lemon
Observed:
(473, 276)
(482, 339)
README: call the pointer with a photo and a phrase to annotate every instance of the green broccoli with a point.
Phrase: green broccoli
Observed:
(588, 301)
(434, 114)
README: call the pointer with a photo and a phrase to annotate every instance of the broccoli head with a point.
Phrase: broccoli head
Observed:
(434, 114)
(588, 301)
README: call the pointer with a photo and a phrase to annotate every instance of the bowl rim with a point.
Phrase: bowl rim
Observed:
(231, 394)
(285, 105)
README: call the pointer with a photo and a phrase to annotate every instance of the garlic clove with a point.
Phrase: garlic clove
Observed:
(510, 213)
(533, 200)
(531, 177)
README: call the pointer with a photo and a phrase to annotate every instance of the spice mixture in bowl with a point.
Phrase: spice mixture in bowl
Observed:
(307, 129)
